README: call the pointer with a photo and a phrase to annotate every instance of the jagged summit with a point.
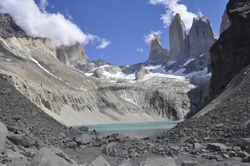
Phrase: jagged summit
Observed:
(178, 40)
(201, 37)
(157, 53)
(193, 47)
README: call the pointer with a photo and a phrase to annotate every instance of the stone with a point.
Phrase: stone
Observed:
(3, 135)
(188, 163)
(108, 149)
(197, 146)
(243, 143)
(19, 139)
(83, 139)
(18, 162)
(166, 161)
(51, 157)
(84, 128)
(216, 146)
(71, 144)
(125, 162)
(99, 161)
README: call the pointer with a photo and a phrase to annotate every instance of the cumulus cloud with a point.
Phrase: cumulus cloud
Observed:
(153, 34)
(173, 7)
(37, 22)
(140, 50)
(104, 44)
(43, 4)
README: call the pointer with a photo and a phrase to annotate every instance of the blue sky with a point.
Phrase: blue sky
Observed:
(116, 29)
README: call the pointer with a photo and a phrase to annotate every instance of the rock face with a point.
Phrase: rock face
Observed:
(201, 37)
(157, 53)
(72, 55)
(225, 23)
(230, 54)
(9, 28)
(179, 45)
(193, 46)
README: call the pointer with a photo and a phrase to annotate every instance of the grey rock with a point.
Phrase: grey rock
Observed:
(140, 74)
(188, 163)
(243, 143)
(201, 37)
(19, 139)
(3, 135)
(71, 144)
(72, 55)
(125, 162)
(99, 161)
(197, 146)
(109, 149)
(84, 128)
(167, 161)
(179, 43)
(216, 146)
(83, 139)
(51, 157)
(9, 28)
(157, 55)
(18, 162)
(225, 23)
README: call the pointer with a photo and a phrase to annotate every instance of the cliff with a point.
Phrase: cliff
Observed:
(230, 54)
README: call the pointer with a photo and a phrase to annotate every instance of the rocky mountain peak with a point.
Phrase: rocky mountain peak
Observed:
(157, 53)
(8, 27)
(201, 37)
(178, 40)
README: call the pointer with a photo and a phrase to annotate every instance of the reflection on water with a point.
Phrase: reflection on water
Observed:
(138, 130)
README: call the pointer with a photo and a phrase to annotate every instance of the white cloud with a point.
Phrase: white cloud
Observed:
(153, 34)
(43, 4)
(104, 44)
(40, 23)
(173, 7)
(140, 50)
(68, 15)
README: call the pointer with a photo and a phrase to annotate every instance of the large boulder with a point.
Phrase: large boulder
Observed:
(51, 157)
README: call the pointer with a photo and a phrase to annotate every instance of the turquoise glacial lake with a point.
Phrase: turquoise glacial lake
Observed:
(138, 130)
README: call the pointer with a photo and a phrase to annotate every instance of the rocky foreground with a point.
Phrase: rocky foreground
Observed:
(31, 137)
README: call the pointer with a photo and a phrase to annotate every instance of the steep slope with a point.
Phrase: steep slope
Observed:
(226, 118)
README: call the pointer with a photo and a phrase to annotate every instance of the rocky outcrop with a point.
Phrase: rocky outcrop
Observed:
(201, 37)
(179, 45)
(157, 55)
(230, 54)
(72, 55)
(225, 23)
(8, 27)
(194, 46)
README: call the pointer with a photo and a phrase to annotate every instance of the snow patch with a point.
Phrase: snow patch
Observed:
(188, 61)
